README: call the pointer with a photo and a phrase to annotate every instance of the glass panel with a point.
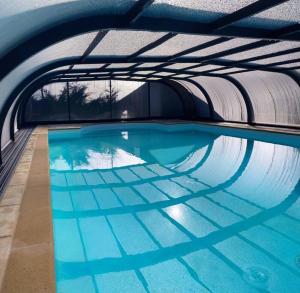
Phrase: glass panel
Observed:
(178, 44)
(164, 101)
(90, 100)
(194, 10)
(124, 42)
(129, 99)
(49, 104)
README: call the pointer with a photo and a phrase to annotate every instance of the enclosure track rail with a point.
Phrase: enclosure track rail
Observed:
(11, 155)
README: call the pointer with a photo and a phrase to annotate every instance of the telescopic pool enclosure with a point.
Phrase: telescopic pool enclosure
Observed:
(226, 60)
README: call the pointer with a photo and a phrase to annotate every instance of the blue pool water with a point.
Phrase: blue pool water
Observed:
(183, 208)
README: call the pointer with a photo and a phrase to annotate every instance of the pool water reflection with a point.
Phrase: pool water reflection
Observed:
(184, 211)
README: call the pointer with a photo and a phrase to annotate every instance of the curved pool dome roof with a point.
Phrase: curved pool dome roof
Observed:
(242, 56)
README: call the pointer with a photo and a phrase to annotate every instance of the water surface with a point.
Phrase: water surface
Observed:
(145, 210)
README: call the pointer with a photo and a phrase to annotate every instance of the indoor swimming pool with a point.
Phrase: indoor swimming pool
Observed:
(175, 208)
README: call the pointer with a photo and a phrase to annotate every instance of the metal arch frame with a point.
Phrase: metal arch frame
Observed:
(239, 87)
(179, 88)
(246, 97)
(77, 60)
(206, 95)
(133, 19)
(44, 80)
(293, 75)
(116, 78)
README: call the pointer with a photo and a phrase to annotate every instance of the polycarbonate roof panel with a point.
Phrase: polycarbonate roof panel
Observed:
(279, 16)
(221, 47)
(228, 71)
(120, 65)
(164, 73)
(72, 47)
(280, 46)
(181, 65)
(123, 77)
(206, 67)
(22, 18)
(183, 75)
(178, 44)
(145, 72)
(296, 64)
(138, 77)
(124, 42)
(279, 58)
(146, 65)
(87, 66)
(194, 10)
(153, 78)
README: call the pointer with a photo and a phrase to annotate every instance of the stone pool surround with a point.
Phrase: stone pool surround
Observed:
(26, 238)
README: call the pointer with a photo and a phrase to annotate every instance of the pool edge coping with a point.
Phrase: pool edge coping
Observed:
(30, 263)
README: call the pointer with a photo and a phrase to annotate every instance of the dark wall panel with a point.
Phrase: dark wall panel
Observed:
(200, 102)
(165, 102)
(48, 104)
(129, 99)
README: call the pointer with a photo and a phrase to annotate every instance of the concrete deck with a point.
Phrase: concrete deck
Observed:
(26, 238)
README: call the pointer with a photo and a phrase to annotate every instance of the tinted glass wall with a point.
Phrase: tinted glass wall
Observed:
(103, 100)
(49, 103)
